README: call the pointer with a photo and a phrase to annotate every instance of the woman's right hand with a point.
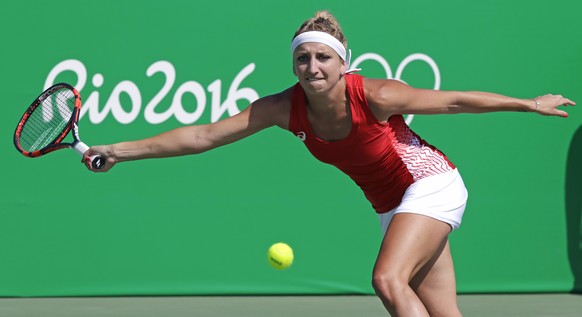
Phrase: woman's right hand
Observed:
(105, 152)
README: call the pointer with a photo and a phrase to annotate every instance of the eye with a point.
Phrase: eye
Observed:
(323, 57)
(302, 58)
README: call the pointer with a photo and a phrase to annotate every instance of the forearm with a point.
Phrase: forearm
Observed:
(481, 102)
(177, 142)
(394, 97)
(195, 139)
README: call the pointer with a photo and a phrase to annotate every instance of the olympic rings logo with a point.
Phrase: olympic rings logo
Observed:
(401, 67)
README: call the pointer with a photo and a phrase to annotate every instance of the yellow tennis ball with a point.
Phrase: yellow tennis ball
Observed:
(280, 256)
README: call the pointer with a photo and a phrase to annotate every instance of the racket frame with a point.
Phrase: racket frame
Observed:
(96, 161)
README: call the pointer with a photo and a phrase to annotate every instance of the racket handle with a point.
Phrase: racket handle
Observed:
(80, 147)
(97, 162)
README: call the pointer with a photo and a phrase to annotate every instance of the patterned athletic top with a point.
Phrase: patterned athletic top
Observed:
(384, 159)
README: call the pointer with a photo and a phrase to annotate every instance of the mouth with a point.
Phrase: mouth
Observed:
(312, 79)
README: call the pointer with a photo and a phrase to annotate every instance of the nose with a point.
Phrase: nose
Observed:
(312, 66)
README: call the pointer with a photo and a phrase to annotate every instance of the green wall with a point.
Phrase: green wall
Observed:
(202, 224)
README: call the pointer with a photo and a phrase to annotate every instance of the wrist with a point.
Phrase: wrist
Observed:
(536, 105)
(112, 152)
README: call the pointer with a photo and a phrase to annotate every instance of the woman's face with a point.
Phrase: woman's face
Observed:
(317, 66)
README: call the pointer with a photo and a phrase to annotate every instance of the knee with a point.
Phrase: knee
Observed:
(388, 285)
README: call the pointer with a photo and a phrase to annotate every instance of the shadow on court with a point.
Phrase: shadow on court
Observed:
(574, 208)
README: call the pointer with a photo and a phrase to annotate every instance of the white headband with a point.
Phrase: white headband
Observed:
(319, 37)
(323, 38)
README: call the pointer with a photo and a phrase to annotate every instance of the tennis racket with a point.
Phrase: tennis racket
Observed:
(45, 124)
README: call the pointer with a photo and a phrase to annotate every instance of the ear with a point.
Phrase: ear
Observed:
(344, 68)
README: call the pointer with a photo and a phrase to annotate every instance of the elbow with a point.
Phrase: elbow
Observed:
(180, 144)
(198, 143)
(455, 109)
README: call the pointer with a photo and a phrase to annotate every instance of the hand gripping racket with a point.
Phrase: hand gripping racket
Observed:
(48, 120)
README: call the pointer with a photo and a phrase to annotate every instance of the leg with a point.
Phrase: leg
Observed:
(410, 243)
(435, 285)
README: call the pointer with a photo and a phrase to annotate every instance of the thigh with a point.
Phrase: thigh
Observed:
(411, 241)
(435, 284)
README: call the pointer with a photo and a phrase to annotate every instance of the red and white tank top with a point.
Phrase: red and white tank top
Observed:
(382, 158)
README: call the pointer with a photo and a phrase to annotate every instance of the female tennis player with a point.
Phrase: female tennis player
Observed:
(356, 124)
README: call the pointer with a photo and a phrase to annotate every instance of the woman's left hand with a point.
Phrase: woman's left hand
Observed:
(548, 105)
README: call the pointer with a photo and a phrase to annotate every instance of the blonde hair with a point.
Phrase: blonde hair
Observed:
(323, 21)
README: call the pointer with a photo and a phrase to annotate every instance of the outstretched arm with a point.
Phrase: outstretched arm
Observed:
(195, 139)
(390, 97)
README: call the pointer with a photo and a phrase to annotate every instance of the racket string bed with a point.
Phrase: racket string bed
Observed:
(42, 127)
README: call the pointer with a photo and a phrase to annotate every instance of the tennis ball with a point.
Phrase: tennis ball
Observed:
(280, 256)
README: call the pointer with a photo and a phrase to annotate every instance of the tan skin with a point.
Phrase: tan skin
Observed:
(414, 274)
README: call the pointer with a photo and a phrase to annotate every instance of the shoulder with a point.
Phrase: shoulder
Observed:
(385, 96)
(380, 89)
(274, 108)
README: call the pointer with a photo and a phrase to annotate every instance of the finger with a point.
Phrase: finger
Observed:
(566, 102)
(90, 151)
(561, 113)
(86, 156)
(86, 161)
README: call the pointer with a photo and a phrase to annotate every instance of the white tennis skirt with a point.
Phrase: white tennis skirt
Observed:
(442, 197)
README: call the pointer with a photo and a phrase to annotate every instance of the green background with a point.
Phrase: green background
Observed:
(202, 224)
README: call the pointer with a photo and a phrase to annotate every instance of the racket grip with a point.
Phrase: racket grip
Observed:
(97, 162)
(80, 147)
